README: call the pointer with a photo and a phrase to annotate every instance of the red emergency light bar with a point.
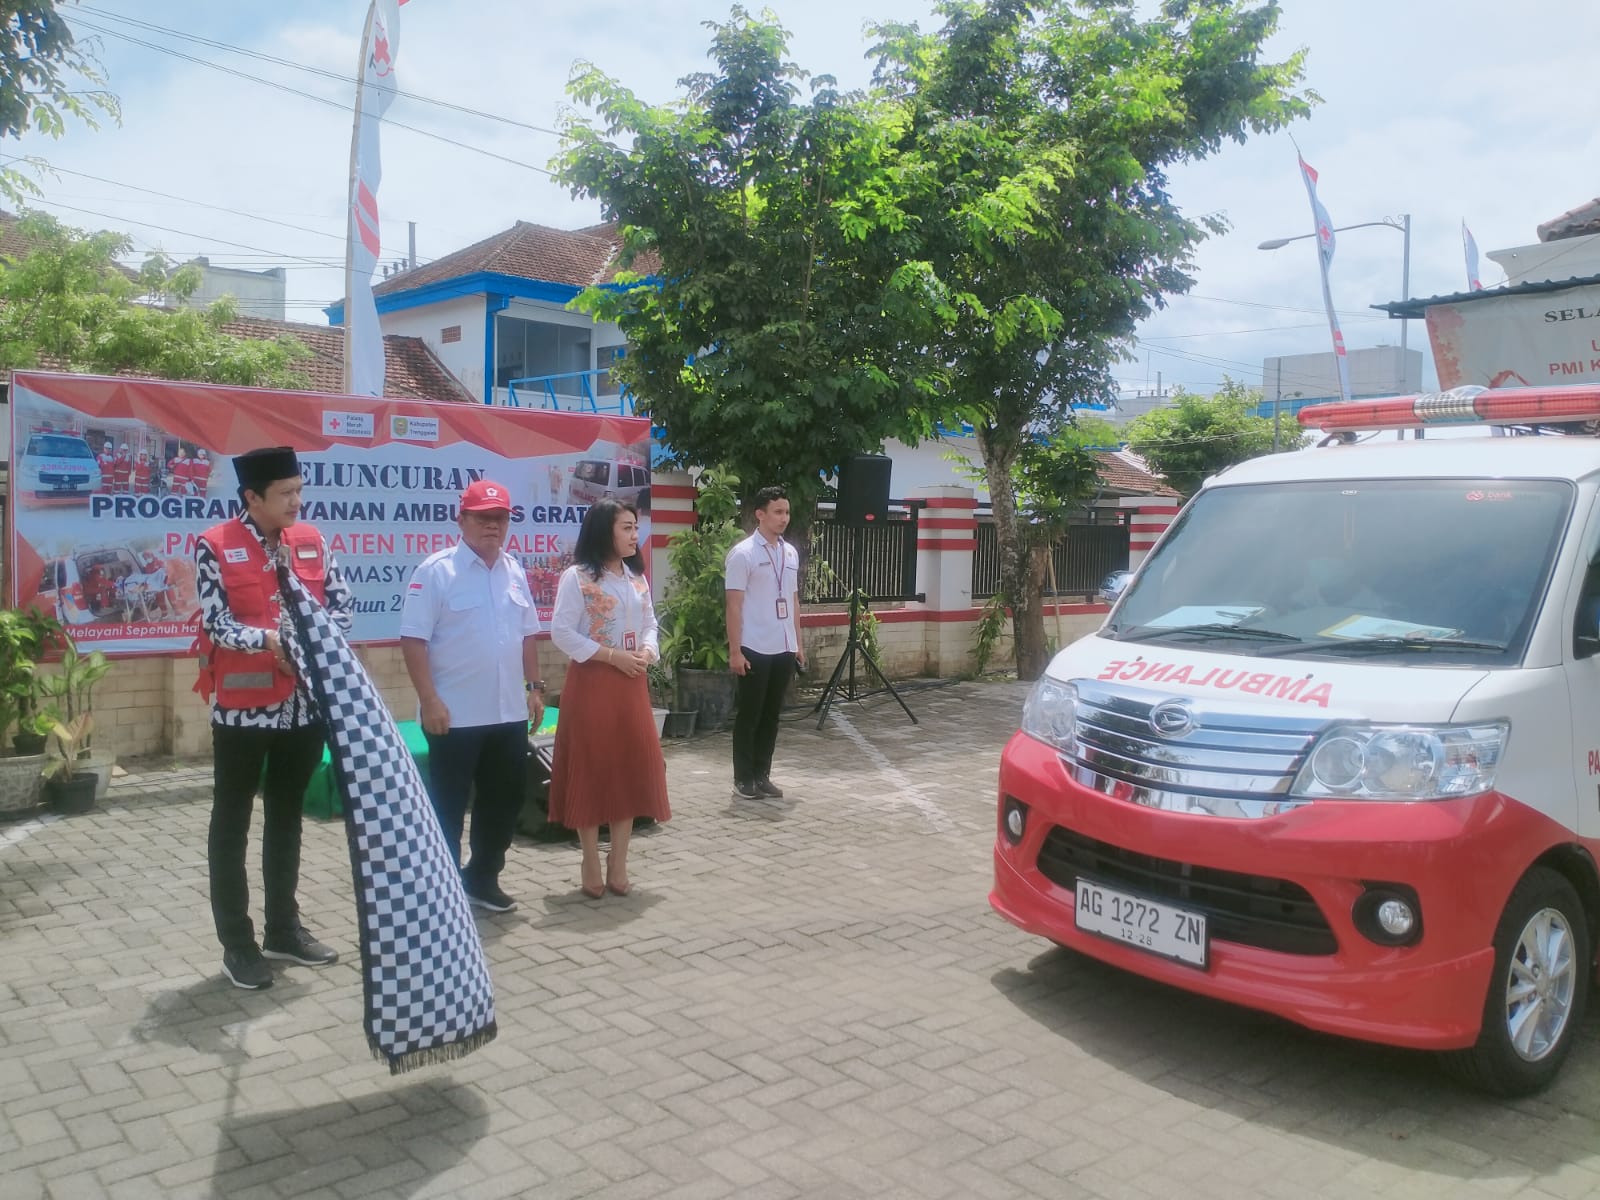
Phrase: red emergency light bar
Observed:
(1459, 406)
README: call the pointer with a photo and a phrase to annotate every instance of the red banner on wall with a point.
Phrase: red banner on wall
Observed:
(112, 480)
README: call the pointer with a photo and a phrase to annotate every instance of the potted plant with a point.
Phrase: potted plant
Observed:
(70, 690)
(694, 611)
(68, 788)
(23, 638)
(669, 721)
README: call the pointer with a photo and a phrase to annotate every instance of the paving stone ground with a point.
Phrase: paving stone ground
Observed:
(805, 998)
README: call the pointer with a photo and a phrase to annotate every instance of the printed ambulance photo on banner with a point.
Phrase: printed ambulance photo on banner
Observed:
(622, 472)
(125, 584)
(67, 458)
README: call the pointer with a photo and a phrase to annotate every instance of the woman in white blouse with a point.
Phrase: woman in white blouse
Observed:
(608, 766)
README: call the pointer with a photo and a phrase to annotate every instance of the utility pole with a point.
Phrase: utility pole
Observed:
(1277, 402)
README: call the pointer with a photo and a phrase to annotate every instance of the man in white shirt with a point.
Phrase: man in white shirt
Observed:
(763, 594)
(467, 636)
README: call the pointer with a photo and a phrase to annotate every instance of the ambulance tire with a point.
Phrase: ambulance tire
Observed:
(1494, 1065)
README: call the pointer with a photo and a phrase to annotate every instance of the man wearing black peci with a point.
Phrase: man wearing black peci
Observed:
(262, 716)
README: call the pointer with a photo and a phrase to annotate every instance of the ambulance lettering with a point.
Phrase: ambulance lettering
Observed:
(1274, 687)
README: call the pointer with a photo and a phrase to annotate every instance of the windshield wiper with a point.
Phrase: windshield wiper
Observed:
(1217, 629)
(1386, 645)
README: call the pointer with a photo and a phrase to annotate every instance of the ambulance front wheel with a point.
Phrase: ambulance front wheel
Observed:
(1536, 993)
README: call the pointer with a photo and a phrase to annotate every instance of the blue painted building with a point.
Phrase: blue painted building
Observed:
(495, 314)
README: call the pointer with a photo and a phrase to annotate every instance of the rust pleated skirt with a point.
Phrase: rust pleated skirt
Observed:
(608, 765)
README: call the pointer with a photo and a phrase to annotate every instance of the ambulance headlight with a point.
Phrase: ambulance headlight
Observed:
(1402, 762)
(1051, 714)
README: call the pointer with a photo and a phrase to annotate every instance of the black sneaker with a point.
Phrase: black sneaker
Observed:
(489, 896)
(300, 947)
(246, 968)
(767, 788)
(746, 791)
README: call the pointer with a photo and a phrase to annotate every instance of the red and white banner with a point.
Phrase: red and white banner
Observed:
(1518, 341)
(1325, 247)
(375, 89)
(110, 549)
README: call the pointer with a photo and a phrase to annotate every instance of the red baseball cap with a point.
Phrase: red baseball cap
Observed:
(483, 495)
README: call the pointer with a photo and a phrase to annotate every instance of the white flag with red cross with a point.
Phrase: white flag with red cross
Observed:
(374, 93)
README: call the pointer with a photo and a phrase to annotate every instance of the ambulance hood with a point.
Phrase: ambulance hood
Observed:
(1416, 692)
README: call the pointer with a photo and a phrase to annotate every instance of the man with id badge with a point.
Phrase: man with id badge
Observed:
(266, 732)
(763, 595)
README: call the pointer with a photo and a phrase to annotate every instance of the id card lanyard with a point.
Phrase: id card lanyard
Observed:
(777, 573)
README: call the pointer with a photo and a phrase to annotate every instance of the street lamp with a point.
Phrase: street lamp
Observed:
(1403, 224)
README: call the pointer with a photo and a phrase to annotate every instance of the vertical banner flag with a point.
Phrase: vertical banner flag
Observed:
(375, 88)
(1470, 245)
(1324, 228)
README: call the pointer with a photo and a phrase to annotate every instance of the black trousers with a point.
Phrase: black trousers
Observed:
(495, 759)
(755, 725)
(290, 756)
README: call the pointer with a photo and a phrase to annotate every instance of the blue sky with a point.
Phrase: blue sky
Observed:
(1444, 109)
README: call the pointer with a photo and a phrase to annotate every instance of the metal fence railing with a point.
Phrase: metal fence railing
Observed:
(1082, 558)
(879, 559)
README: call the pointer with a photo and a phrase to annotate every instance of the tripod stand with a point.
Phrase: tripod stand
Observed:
(854, 647)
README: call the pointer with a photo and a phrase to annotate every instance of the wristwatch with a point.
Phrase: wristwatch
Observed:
(536, 685)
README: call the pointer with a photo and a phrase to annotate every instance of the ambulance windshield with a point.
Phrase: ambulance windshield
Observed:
(1450, 569)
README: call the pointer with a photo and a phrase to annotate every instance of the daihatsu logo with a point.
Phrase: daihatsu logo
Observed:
(1172, 719)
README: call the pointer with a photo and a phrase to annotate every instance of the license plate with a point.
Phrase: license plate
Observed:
(1156, 928)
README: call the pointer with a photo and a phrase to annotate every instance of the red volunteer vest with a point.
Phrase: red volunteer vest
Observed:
(141, 477)
(108, 465)
(123, 470)
(200, 473)
(250, 678)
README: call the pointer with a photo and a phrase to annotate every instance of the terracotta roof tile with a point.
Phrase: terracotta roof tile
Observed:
(1119, 474)
(410, 367)
(575, 257)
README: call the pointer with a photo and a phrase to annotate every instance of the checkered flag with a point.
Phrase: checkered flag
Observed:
(424, 980)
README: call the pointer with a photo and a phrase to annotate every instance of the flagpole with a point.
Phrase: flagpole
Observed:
(349, 197)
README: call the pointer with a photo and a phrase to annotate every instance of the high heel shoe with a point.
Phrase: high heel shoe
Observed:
(613, 888)
(598, 893)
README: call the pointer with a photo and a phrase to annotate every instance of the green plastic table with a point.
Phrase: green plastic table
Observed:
(322, 793)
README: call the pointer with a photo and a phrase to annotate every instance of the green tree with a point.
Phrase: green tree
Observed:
(1197, 436)
(1034, 142)
(761, 340)
(67, 304)
(43, 70)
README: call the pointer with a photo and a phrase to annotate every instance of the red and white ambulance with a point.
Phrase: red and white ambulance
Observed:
(1335, 753)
